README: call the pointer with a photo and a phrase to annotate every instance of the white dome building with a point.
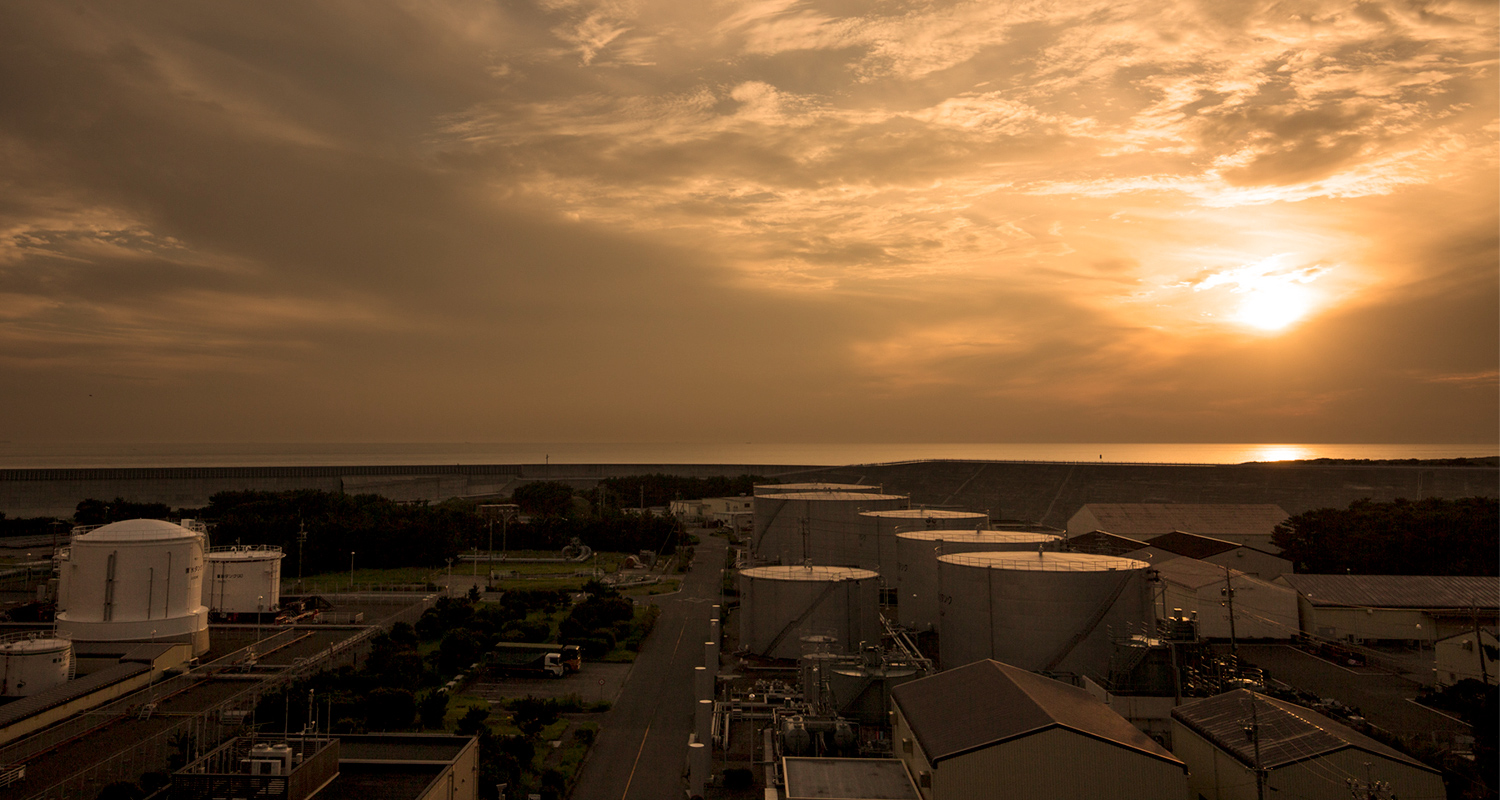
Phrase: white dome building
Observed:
(133, 581)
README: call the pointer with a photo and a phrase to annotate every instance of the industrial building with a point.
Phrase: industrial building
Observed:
(816, 527)
(1102, 543)
(1243, 523)
(1401, 609)
(1246, 559)
(1044, 611)
(1241, 745)
(846, 779)
(407, 766)
(992, 730)
(1470, 655)
(1262, 610)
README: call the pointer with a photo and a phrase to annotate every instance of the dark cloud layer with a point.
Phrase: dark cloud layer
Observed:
(597, 220)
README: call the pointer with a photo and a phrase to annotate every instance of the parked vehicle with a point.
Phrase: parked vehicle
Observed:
(522, 658)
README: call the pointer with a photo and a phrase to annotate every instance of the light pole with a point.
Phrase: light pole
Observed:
(351, 570)
(448, 587)
(260, 603)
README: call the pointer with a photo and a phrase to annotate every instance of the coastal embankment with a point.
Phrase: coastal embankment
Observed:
(1047, 492)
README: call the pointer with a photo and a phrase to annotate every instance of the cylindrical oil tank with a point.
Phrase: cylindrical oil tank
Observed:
(877, 546)
(242, 579)
(136, 580)
(34, 662)
(830, 520)
(1042, 611)
(781, 604)
(916, 572)
(863, 693)
(784, 488)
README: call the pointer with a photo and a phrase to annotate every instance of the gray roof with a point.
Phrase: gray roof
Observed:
(1397, 591)
(1207, 519)
(847, 779)
(82, 686)
(1194, 545)
(987, 703)
(1103, 543)
(1288, 733)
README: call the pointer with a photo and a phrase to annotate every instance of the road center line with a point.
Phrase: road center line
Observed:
(647, 733)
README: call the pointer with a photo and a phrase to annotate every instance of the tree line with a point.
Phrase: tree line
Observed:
(1432, 536)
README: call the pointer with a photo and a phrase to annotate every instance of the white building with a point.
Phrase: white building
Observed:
(1470, 655)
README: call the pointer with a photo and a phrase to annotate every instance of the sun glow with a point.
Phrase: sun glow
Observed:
(1274, 305)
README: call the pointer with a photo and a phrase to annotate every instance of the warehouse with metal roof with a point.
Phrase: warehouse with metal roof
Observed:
(992, 730)
(1412, 609)
(1227, 739)
(1245, 523)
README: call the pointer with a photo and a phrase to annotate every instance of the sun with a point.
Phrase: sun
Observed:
(1272, 305)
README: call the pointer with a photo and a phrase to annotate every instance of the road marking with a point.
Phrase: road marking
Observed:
(647, 733)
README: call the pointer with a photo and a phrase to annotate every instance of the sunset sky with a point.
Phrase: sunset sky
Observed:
(711, 220)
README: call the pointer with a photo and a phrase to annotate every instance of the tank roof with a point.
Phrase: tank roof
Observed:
(136, 530)
(979, 537)
(1044, 562)
(794, 572)
(926, 513)
(850, 496)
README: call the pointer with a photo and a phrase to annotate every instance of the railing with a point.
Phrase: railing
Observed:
(203, 730)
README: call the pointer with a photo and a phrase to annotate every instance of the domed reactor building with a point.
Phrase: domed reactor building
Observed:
(139, 580)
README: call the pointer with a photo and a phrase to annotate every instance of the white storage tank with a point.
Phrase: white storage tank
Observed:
(779, 605)
(831, 519)
(1040, 611)
(242, 579)
(137, 580)
(877, 546)
(33, 662)
(916, 572)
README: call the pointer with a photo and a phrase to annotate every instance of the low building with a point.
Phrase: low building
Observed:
(846, 779)
(734, 512)
(400, 766)
(1229, 738)
(1398, 609)
(1243, 523)
(991, 730)
(1262, 610)
(1246, 559)
(1471, 655)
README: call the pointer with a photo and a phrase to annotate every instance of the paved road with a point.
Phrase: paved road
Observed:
(642, 744)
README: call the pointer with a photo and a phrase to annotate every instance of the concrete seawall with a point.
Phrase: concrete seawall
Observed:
(56, 492)
(1048, 492)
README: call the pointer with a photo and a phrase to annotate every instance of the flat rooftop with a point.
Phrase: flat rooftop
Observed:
(847, 779)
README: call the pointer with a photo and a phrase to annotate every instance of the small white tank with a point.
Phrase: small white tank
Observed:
(243, 579)
(137, 580)
(1041, 611)
(782, 604)
(832, 521)
(877, 546)
(916, 573)
(34, 662)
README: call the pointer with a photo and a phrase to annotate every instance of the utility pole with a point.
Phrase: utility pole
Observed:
(1234, 648)
(1368, 789)
(1484, 673)
(1260, 771)
(301, 548)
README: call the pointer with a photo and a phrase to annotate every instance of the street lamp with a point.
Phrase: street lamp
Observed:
(260, 602)
(351, 570)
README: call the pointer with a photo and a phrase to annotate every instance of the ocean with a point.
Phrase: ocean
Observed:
(19, 455)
